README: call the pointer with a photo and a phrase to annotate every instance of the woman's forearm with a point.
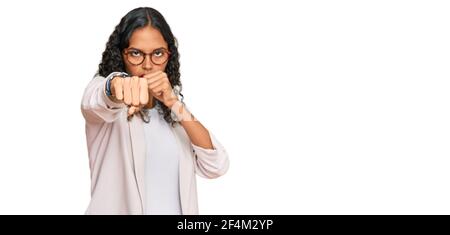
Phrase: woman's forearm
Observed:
(197, 133)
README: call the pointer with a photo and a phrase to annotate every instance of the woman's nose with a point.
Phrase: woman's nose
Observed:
(147, 65)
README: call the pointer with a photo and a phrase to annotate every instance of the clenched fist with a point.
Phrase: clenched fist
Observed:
(136, 91)
(159, 87)
(132, 91)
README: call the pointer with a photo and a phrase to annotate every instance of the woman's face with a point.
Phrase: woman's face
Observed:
(145, 40)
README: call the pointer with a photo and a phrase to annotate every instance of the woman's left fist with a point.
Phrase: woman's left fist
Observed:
(160, 88)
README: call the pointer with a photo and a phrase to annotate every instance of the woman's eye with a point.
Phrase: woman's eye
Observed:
(135, 53)
(158, 53)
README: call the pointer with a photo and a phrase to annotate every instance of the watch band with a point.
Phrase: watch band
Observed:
(109, 78)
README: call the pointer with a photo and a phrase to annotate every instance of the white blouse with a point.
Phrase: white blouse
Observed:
(162, 191)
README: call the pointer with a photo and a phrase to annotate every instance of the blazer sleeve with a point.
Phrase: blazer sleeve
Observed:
(96, 106)
(211, 163)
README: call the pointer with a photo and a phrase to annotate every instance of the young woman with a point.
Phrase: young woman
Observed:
(144, 145)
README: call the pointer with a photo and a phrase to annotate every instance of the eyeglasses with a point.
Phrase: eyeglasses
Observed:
(158, 56)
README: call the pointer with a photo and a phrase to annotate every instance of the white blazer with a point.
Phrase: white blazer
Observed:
(117, 151)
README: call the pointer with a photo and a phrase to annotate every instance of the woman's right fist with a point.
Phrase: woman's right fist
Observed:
(132, 91)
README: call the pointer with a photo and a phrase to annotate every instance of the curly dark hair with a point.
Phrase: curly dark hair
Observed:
(112, 60)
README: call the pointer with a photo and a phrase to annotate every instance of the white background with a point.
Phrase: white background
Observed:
(325, 107)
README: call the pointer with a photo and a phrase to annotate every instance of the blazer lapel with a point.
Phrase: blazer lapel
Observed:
(137, 139)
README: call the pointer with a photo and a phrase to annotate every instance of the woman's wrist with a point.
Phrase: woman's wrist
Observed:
(109, 80)
(180, 113)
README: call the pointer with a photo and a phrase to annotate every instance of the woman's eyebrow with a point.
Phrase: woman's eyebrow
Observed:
(133, 48)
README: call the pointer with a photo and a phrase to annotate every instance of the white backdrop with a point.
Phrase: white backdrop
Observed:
(325, 107)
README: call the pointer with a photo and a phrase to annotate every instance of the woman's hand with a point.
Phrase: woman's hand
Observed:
(160, 88)
(133, 91)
